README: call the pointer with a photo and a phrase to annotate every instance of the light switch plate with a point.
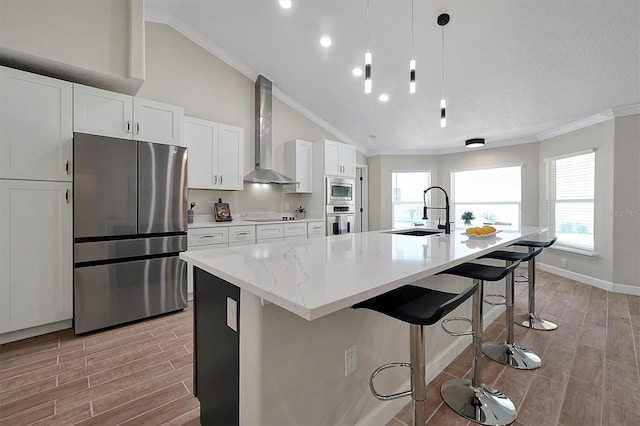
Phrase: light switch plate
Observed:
(232, 314)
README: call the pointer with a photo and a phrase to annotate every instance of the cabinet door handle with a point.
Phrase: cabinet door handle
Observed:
(220, 179)
(128, 126)
(66, 196)
(138, 128)
(215, 179)
(66, 167)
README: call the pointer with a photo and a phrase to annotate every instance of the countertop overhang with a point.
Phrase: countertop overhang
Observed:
(319, 276)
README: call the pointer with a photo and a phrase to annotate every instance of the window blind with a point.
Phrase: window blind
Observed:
(570, 190)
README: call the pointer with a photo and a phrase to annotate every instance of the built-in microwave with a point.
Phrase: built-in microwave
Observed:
(340, 191)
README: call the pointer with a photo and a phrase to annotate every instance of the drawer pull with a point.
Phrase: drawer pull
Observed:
(206, 236)
(243, 233)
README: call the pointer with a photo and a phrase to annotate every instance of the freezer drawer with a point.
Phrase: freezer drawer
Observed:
(116, 293)
(97, 251)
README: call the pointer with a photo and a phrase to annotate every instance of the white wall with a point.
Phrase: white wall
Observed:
(601, 138)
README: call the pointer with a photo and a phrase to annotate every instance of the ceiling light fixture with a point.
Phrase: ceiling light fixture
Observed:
(325, 41)
(357, 71)
(285, 4)
(442, 21)
(474, 143)
(412, 62)
(367, 60)
(383, 97)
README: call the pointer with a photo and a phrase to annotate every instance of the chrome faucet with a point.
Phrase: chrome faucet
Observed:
(447, 223)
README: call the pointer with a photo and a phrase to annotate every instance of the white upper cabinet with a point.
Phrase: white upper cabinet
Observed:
(339, 159)
(215, 154)
(298, 156)
(230, 151)
(157, 122)
(36, 127)
(36, 264)
(101, 112)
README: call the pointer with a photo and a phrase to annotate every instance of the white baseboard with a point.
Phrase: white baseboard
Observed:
(12, 336)
(386, 410)
(595, 282)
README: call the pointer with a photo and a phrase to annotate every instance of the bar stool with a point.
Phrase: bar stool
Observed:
(472, 399)
(530, 319)
(417, 306)
(507, 352)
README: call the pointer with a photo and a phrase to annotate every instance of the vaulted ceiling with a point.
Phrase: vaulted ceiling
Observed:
(514, 69)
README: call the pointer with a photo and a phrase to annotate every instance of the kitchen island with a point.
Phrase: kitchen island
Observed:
(272, 322)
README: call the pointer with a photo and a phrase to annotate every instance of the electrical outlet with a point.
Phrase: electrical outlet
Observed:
(350, 360)
(564, 263)
(286, 206)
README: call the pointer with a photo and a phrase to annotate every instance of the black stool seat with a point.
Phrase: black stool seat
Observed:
(416, 305)
(511, 256)
(537, 244)
(480, 272)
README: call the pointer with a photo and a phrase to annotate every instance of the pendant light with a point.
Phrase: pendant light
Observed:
(367, 60)
(412, 62)
(442, 21)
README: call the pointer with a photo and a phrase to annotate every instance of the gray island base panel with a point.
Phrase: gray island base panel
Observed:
(285, 365)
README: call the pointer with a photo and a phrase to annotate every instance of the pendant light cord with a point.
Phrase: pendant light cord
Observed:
(412, 28)
(442, 28)
(368, 41)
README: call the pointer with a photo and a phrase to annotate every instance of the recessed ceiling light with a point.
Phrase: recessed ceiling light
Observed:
(383, 98)
(357, 71)
(325, 41)
(285, 4)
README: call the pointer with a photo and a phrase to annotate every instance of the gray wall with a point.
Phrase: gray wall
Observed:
(180, 72)
(380, 170)
(626, 201)
(601, 138)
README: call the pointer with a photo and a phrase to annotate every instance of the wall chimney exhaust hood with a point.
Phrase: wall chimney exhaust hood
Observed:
(263, 172)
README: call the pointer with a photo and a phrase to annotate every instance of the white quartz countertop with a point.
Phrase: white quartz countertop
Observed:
(320, 276)
(240, 222)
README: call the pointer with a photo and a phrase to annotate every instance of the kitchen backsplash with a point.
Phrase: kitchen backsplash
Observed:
(255, 198)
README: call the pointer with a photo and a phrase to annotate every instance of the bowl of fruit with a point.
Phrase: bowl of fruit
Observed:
(486, 231)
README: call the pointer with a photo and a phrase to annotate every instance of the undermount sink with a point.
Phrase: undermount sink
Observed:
(416, 232)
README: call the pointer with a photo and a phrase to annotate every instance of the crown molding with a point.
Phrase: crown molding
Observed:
(623, 111)
(576, 125)
(199, 39)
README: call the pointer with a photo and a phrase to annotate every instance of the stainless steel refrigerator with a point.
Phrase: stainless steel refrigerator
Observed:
(130, 224)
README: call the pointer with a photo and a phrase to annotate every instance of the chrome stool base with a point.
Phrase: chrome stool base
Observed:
(512, 355)
(483, 404)
(535, 322)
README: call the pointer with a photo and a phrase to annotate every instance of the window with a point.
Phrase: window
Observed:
(570, 205)
(492, 195)
(407, 189)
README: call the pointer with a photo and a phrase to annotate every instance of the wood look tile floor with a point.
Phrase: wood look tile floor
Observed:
(138, 374)
(589, 374)
(141, 374)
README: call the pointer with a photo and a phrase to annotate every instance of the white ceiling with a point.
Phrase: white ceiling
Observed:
(514, 68)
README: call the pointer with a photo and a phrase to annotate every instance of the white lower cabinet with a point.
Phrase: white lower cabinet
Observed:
(36, 264)
(295, 231)
(205, 239)
(266, 233)
(316, 229)
(242, 235)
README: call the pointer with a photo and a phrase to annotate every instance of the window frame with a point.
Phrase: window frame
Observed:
(455, 203)
(393, 195)
(552, 201)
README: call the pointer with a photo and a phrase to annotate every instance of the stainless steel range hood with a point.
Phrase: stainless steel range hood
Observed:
(263, 172)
